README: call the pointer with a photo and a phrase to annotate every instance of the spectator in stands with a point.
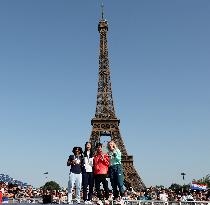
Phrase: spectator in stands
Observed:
(87, 174)
(163, 195)
(75, 175)
(5, 197)
(101, 165)
(208, 195)
(115, 170)
(141, 196)
(126, 196)
(184, 196)
(152, 194)
(0, 195)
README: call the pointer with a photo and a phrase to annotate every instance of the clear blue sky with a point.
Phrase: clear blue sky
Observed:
(159, 55)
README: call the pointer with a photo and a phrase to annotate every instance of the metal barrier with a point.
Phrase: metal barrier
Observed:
(123, 202)
(151, 202)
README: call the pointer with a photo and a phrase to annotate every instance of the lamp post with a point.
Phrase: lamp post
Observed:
(46, 174)
(183, 174)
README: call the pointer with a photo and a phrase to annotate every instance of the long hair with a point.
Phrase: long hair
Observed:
(91, 150)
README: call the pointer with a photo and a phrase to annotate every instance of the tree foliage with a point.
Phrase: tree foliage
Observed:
(175, 187)
(159, 187)
(178, 187)
(51, 185)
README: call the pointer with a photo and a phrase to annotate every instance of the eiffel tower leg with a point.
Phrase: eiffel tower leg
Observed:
(132, 178)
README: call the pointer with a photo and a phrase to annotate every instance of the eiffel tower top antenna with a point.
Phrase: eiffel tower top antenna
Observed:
(102, 9)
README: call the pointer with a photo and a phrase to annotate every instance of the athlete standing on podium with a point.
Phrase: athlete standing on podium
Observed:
(87, 174)
(75, 175)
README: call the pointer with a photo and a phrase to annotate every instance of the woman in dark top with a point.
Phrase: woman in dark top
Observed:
(75, 175)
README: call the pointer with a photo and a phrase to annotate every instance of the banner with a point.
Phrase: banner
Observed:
(196, 186)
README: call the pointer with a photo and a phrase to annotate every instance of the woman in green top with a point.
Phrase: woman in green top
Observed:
(115, 170)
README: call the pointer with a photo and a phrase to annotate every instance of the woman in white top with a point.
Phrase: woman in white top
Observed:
(87, 174)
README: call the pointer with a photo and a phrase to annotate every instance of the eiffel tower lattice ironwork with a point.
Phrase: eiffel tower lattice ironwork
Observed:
(105, 121)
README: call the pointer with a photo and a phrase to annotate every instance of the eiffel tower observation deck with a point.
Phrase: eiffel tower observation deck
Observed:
(105, 122)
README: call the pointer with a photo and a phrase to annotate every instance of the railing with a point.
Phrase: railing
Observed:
(123, 202)
(25, 200)
(151, 202)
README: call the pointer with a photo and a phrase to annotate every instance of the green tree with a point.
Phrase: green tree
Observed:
(178, 187)
(175, 187)
(159, 187)
(51, 185)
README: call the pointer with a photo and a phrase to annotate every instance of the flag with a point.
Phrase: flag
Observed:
(46, 173)
(196, 186)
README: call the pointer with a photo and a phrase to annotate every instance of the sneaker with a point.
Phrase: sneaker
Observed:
(78, 201)
(70, 202)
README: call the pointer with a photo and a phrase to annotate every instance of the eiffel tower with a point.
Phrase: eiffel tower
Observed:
(105, 122)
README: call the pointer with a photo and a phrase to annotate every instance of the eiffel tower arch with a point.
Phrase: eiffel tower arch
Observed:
(105, 122)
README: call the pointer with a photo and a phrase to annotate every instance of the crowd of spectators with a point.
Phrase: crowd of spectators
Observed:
(10, 193)
(166, 195)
